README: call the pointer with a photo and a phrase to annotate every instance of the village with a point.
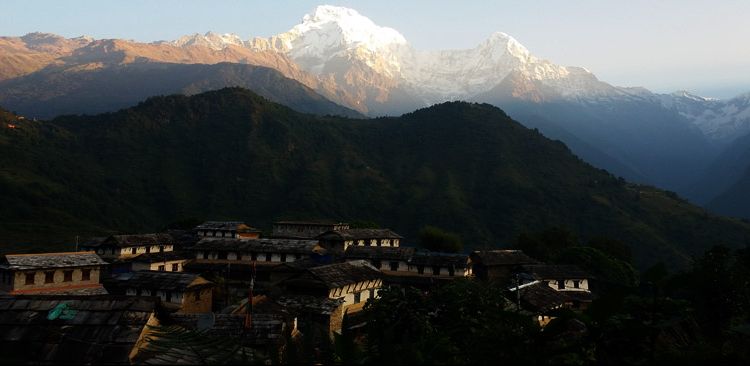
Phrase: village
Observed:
(107, 302)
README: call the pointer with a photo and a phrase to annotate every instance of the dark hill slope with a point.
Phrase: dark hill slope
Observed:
(231, 154)
(55, 91)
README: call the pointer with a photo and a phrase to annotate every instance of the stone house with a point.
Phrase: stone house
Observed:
(178, 291)
(497, 265)
(261, 251)
(305, 229)
(353, 282)
(74, 330)
(164, 261)
(52, 273)
(339, 240)
(410, 262)
(226, 229)
(567, 279)
(128, 246)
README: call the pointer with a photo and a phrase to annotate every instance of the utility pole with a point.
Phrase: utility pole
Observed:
(76, 243)
(518, 293)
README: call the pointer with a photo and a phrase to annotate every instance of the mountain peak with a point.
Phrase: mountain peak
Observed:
(352, 26)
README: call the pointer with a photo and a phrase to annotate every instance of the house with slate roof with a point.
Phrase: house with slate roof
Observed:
(340, 240)
(70, 273)
(261, 251)
(497, 265)
(81, 330)
(353, 282)
(178, 291)
(305, 229)
(227, 229)
(128, 246)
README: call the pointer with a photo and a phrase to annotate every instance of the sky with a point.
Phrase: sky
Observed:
(665, 45)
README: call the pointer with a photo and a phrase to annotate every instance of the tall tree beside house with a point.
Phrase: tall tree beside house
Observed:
(439, 240)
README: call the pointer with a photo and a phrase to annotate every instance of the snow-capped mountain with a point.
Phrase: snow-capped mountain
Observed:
(721, 120)
(212, 40)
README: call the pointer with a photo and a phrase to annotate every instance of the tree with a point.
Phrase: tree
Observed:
(438, 240)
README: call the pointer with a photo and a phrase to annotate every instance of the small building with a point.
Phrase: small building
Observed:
(497, 265)
(389, 260)
(163, 261)
(227, 229)
(340, 240)
(261, 251)
(261, 337)
(68, 330)
(354, 282)
(52, 273)
(305, 229)
(539, 300)
(178, 291)
(409, 261)
(127, 246)
(568, 279)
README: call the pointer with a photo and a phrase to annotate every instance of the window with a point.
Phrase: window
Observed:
(49, 277)
(161, 268)
(560, 284)
(175, 267)
(132, 250)
(420, 269)
(376, 263)
(451, 271)
(297, 257)
(372, 293)
(67, 276)
(357, 297)
(222, 255)
(268, 257)
(283, 257)
(436, 271)
(576, 284)
(196, 295)
(169, 296)
(394, 266)
(30, 278)
(254, 256)
(85, 274)
(148, 249)
(205, 255)
(161, 249)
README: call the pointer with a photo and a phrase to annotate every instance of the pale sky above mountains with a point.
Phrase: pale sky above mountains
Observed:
(666, 45)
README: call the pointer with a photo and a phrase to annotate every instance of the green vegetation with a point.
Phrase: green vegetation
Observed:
(230, 154)
(693, 317)
(438, 240)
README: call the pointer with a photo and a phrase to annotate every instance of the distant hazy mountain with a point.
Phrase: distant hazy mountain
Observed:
(466, 167)
(721, 121)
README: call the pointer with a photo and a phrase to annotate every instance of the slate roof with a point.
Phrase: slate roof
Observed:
(311, 223)
(382, 253)
(554, 271)
(505, 257)
(342, 274)
(265, 328)
(51, 260)
(124, 241)
(156, 257)
(258, 245)
(540, 297)
(356, 234)
(103, 329)
(308, 304)
(237, 226)
(427, 258)
(160, 280)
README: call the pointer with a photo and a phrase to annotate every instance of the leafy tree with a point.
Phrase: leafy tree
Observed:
(438, 240)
